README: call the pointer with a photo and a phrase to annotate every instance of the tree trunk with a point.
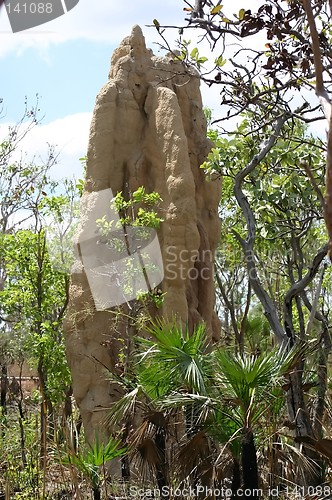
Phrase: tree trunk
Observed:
(46, 410)
(249, 465)
(322, 378)
(236, 479)
(161, 475)
(3, 388)
(96, 494)
(125, 464)
(20, 401)
(299, 417)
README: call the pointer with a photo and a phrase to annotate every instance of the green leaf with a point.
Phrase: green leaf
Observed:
(216, 9)
(220, 61)
(157, 24)
(194, 53)
(241, 14)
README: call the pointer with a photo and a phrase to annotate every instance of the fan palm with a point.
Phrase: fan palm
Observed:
(247, 383)
(170, 361)
(92, 459)
(224, 396)
(148, 442)
(178, 357)
(237, 393)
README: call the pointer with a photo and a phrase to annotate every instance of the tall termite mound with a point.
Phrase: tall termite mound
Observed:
(148, 129)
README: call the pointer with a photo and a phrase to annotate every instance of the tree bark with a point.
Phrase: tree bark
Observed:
(161, 475)
(4, 388)
(236, 479)
(249, 465)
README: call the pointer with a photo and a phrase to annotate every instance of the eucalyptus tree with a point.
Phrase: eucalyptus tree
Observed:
(35, 296)
(280, 220)
(22, 185)
(268, 60)
(272, 213)
(34, 291)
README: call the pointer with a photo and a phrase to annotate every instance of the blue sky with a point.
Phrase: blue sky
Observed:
(66, 61)
(64, 82)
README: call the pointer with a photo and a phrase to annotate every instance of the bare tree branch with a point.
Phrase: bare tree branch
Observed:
(315, 302)
(245, 316)
(320, 89)
(305, 165)
(230, 307)
(248, 243)
(299, 287)
(198, 9)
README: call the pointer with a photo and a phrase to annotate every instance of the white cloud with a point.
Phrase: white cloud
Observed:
(69, 136)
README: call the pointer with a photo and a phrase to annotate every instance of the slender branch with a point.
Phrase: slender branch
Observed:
(66, 301)
(7, 320)
(315, 47)
(328, 184)
(327, 106)
(248, 243)
(319, 69)
(318, 315)
(244, 317)
(315, 302)
(209, 25)
(299, 286)
(305, 165)
(230, 307)
(198, 9)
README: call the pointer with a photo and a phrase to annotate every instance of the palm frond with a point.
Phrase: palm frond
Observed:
(299, 460)
(178, 356)
(93, 456)
(193, 452)
(147, 459)
(124, 407)
(204, 406)
(249, 380)
(98, 453)
(156, 377)
(225, 427)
